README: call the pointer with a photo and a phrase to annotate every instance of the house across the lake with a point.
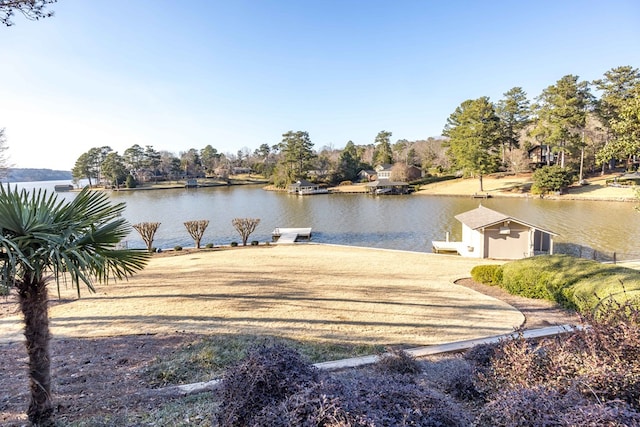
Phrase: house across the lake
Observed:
(490, 234)
(541, 155)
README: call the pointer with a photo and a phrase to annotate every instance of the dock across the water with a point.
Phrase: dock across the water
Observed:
(290, 235)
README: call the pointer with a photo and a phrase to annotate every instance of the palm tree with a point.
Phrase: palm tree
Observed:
(42, 239)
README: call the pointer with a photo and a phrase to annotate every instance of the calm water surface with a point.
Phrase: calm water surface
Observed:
(392, 222)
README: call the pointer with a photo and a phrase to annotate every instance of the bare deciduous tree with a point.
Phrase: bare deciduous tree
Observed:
(147, 231)
(196, 230)
(245, 227)
(31, 9)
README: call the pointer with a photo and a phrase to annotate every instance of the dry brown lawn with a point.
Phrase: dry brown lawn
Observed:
(302, 291)
(511, 185)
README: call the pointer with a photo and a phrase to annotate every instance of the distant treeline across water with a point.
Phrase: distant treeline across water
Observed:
(30, 175)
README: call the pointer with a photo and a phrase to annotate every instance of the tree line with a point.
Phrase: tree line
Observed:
(572, 128)
(291, 159)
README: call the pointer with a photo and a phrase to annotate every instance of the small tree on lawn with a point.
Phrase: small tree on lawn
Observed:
(147, 231)
(551, 178)
(245, 227)
(196, 230)
(42, 239)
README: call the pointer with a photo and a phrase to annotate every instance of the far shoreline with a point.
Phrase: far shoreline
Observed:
(494, 186)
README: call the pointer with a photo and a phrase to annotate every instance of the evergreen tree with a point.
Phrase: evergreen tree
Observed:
(298, 154)
(349, 163)
(561, 115)
(114, 169)
(474, 137)
(513, 111)
(615, 108)
(383, 153)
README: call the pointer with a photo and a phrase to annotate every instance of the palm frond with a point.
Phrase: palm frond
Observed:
(41, 235)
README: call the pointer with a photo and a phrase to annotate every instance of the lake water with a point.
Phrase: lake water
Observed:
(394, 222)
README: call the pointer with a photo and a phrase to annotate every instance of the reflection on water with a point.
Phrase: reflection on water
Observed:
(393, 222)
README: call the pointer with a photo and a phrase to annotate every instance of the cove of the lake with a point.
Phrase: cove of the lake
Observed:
(408, 222)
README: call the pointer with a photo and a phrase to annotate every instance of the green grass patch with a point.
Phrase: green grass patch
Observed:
(207, 358)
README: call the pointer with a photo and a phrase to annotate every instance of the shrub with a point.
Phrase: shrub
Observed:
(393, 401)
(541, 406)
(599, 364)
(131, 182)
(575, 283)
(551, 178)
(461, 383)
(254, 243)
(177, 248)
(209, 246)
(601, 414)
(481, 355)
(526, 282)
(487, 274)
(345, 183)
(365, 401)
(317, 405)
(4, 290)
(527, 407)
(397, 362)
(266, 377)
(234, 244)
(515, 363)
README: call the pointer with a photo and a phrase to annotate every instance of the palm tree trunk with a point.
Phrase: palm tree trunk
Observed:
(33, 303)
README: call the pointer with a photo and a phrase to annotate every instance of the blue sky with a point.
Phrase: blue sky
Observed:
(235, 74)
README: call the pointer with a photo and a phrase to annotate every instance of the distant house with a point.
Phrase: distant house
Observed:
(490, 234)
(304, 187)
(237, 170)
(367, 175)
(414, 172)
(541, 155)
(384, 171)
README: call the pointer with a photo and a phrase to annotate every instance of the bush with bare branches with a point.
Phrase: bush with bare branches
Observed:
(196, 230)
(147, 231)
(245, 226)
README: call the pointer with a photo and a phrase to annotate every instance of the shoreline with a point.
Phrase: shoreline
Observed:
(497, 186)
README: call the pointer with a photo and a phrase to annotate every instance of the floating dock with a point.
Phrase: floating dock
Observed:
(447, 247)
(290, 235)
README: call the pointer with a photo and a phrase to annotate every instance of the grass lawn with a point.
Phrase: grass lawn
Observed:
(303, 292)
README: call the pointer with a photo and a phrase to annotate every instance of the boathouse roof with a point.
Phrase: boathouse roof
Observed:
(482, 217)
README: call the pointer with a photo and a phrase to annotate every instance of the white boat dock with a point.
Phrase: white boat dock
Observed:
(441, 247)
(290, 235)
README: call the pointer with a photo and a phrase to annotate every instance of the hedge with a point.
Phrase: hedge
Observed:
(574, 283)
